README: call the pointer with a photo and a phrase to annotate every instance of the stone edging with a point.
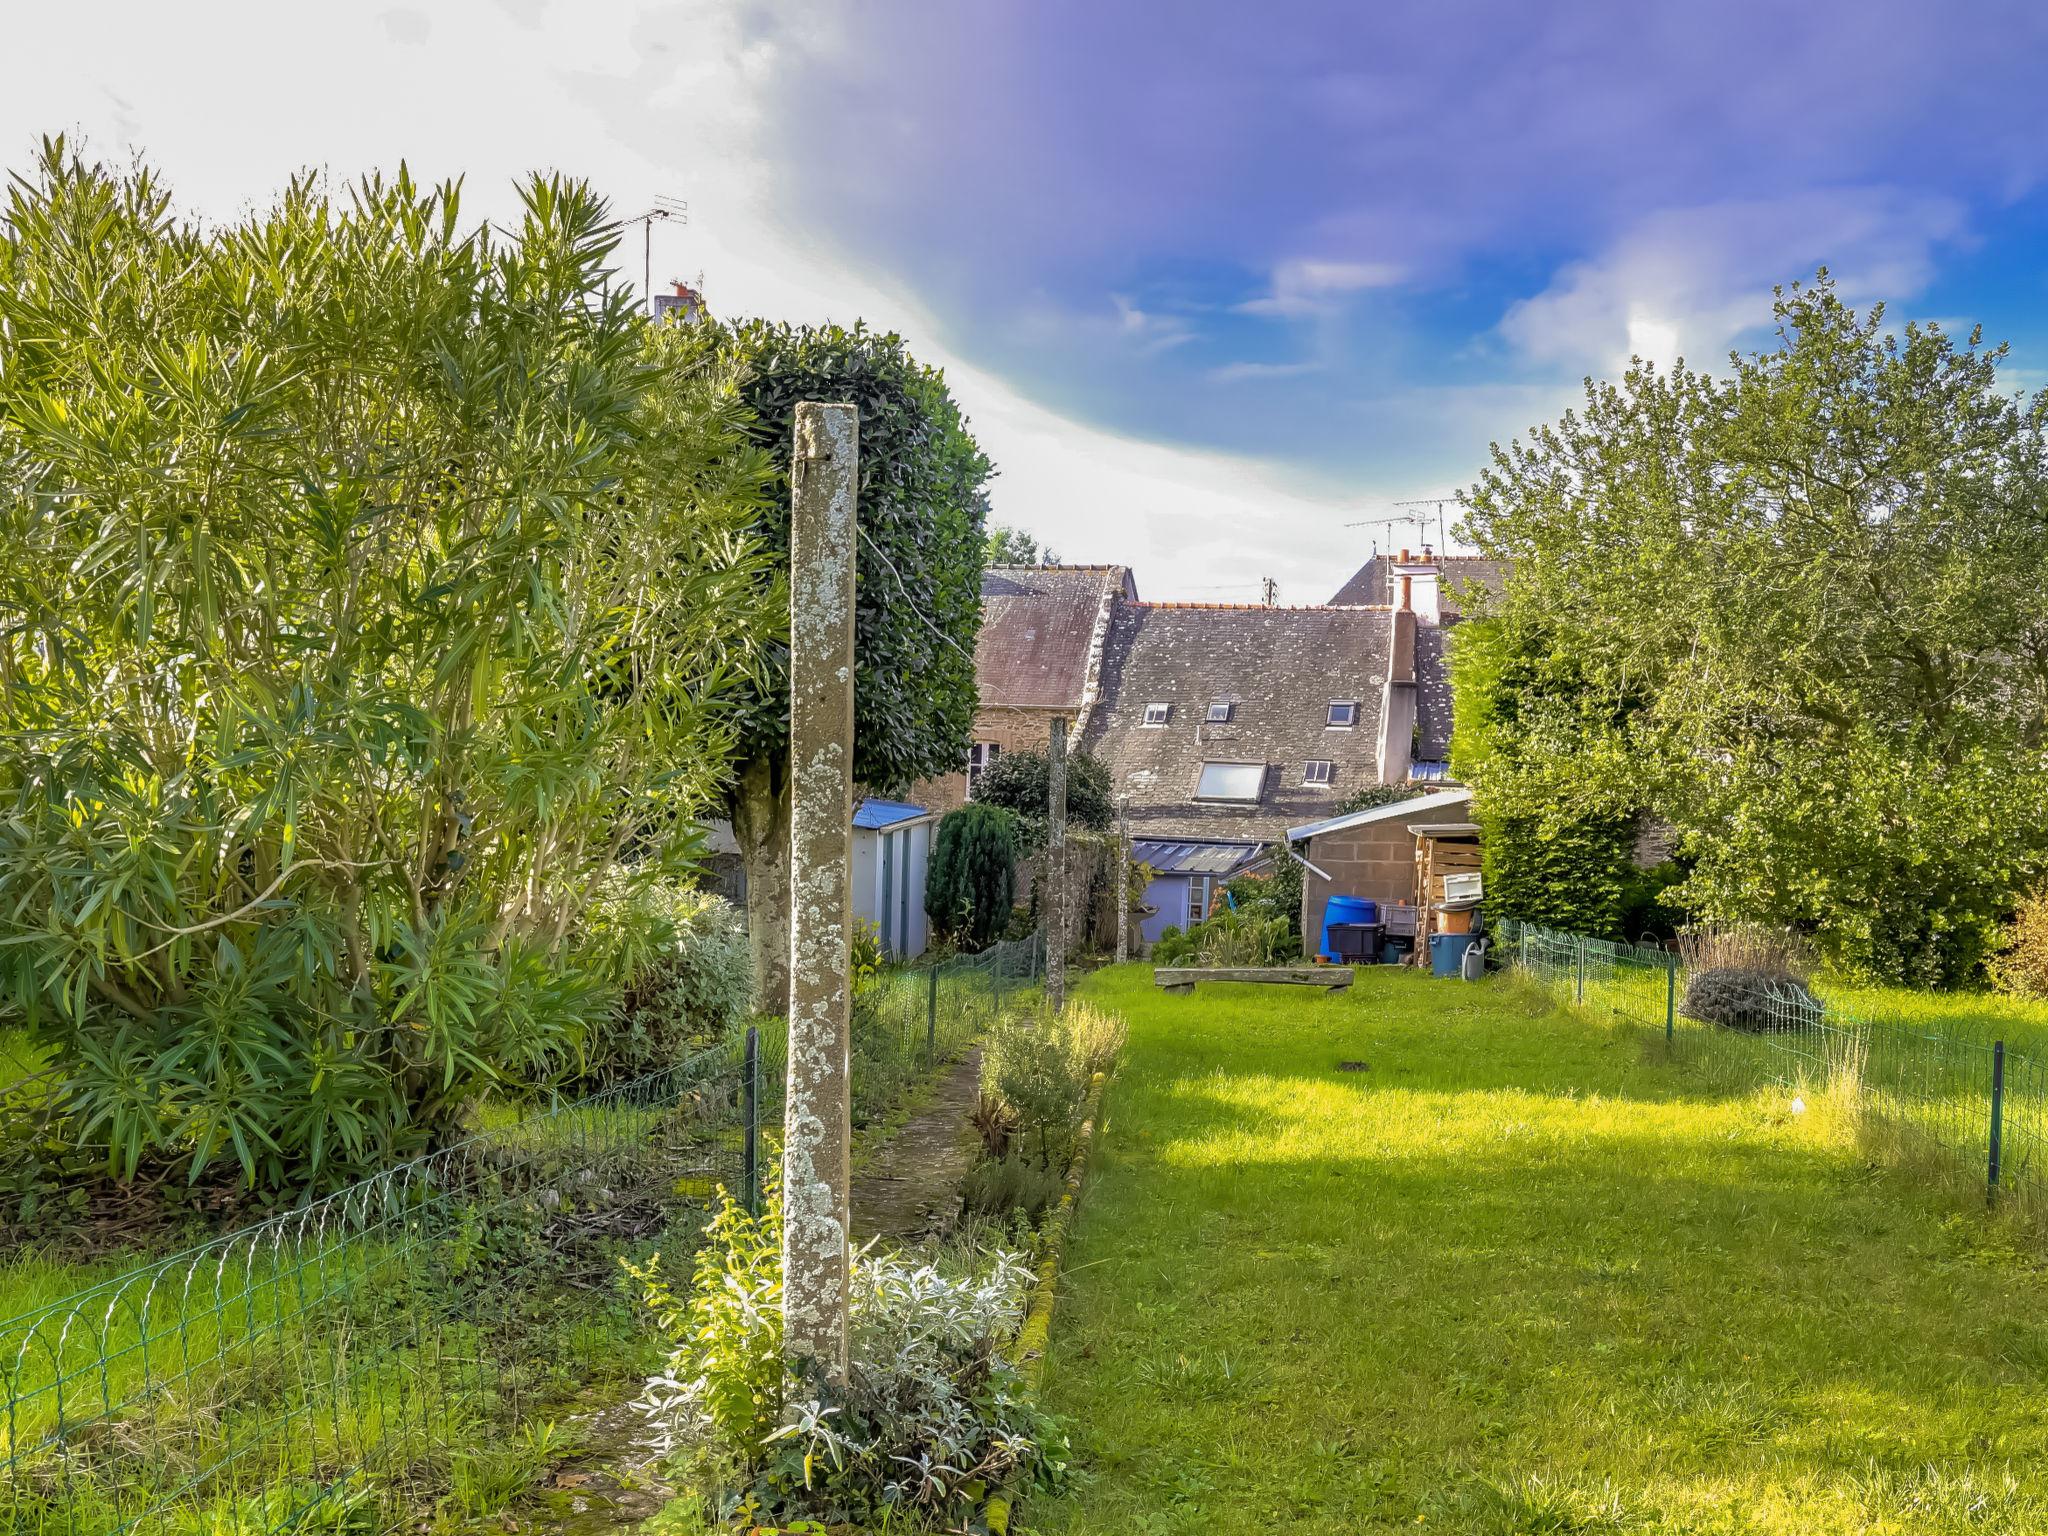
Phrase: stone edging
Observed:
(1027, 1350)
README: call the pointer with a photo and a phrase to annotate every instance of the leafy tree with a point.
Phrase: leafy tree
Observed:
(1800, 605)
(1021, 783)
(918, 602)
(1013, 546)
(1549, 780)
(371, 583)
(971, 883)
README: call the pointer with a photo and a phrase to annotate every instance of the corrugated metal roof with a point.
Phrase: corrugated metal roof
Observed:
(874, 815)
(1191, 858)
(1442, 799)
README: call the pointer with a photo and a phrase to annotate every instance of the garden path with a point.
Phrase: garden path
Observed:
(910, 1188)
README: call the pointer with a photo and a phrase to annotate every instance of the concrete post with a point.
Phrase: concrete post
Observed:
(817, 1125)
(1123, 883)
(1056, 865)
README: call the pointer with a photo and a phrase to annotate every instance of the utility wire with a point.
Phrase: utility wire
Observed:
(914, 608)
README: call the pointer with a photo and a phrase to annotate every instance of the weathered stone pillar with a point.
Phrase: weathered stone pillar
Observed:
(817, 1121)
(1123, 883)
(1056, 865)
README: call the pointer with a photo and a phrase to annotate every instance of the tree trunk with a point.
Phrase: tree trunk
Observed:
(760, 825)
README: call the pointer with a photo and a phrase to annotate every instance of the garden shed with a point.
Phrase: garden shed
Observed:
(1187, 882)
(1372, 853)
(892, 844)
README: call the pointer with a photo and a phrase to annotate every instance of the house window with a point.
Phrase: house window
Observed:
(1219, 712)
(1233, 783)
(1155, 714)
(980, 757)
(1343, 714)
(1198, 899)
(1315, 771)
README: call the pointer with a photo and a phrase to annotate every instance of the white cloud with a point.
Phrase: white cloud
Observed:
(1308, 287)
(1691, 282)
(1236, 373)
(1151, 331)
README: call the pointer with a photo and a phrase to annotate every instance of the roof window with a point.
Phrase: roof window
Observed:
(1155, 714)
(1316, 771)
(1219, 712)
(1235, 783)
(1343, 714)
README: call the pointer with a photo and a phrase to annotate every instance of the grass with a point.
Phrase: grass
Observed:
(2022, 1023)
(1518, 1275)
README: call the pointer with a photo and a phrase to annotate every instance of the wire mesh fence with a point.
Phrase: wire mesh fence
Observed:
(910, 1020)
(1965, 1108)
(386, 1351)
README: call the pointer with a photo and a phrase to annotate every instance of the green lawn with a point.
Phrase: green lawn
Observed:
(1517, 1276)
(1984, 1016)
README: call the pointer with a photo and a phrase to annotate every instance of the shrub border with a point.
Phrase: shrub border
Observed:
(1027, 1349)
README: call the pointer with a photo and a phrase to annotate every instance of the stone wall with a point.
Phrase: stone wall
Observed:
(1012, 730)
(1091, 888)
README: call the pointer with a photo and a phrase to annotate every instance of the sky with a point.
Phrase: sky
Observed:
(1212, 282)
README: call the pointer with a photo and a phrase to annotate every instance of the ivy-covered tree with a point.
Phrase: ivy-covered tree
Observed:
(1799, 609)
(1020, 783)
(971, 882)
(920, 513)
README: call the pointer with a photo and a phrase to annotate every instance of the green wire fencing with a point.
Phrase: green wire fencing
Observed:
(909, 1020)
(1960, 1108)
(385, 1354)
(352, 1363)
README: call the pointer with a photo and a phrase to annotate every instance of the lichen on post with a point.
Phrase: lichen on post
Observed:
(1056, 865)
(817, 1129)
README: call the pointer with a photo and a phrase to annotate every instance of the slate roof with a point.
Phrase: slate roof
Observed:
(1279, 669)
(1373, 582)
(1037, 625)
(1432, 692)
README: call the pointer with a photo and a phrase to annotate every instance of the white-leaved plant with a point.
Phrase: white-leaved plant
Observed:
(931, 1418)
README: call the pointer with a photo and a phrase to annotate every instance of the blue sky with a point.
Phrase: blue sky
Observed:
(1212, 280)
(1348, 237)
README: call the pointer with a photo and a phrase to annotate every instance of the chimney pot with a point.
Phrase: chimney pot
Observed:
(1407, 593)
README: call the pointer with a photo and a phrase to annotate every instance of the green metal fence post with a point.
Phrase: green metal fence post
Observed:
(1997, 1117)
(1579, 960)
(750, 1096)
(1670, 996)
(931, 1017)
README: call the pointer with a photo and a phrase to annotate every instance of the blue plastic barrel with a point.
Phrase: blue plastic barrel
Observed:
(1447, 953)
(1346, 909)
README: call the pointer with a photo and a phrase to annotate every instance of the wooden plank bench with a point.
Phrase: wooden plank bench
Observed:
(1180, 979)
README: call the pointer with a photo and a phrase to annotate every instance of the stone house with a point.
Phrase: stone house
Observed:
(1222, 725)
(1038, 658)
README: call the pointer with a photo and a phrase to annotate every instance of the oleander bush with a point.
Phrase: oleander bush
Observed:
(684, 972)
(374, 586)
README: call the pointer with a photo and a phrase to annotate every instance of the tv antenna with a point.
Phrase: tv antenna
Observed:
(1439, 503)
(1397, 519)
(666, 209)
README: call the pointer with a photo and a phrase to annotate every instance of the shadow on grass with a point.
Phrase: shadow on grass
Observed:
(1516, 1277)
